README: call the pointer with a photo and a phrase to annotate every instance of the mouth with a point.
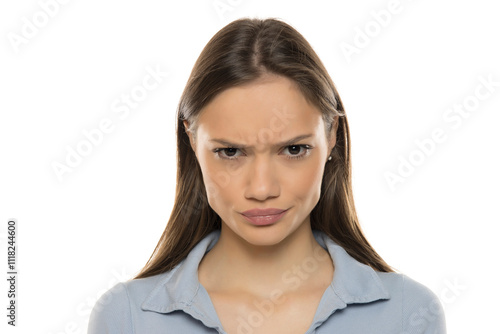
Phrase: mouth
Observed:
(263, 217)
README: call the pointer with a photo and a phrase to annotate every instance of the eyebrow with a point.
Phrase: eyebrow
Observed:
(283, 143)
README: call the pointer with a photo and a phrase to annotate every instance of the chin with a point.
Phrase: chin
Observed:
(269, 235)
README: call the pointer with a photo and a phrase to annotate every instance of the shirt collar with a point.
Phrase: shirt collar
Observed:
(179, 289)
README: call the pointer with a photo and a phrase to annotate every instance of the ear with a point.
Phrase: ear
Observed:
(190, 134)
(333, 134)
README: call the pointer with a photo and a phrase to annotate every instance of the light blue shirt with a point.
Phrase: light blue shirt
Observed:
(358, 300)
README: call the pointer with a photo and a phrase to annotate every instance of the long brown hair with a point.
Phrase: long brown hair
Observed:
(241, 52)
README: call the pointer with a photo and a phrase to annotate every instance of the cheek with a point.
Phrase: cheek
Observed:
(306, 183)
(220, 189)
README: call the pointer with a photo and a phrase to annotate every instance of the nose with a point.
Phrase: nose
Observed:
(262, 181)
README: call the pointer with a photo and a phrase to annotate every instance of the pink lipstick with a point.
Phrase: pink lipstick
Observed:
(263, 217)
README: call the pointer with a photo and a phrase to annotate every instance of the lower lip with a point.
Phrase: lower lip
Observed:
(265, 220)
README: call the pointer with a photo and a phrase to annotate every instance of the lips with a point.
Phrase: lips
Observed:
(262, 212)
(263, 217)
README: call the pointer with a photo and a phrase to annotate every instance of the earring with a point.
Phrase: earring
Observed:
(329, 158)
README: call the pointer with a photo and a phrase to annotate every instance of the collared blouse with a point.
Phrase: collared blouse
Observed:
(358, 300)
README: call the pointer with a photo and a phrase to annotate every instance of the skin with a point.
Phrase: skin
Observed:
(268, 279)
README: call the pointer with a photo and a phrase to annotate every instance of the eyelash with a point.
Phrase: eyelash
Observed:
(307, 150)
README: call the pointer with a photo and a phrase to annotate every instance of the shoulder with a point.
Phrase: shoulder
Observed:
(111, 312)
(420, 308)
(114, 310)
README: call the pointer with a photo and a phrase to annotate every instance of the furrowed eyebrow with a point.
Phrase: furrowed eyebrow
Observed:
(280, 144)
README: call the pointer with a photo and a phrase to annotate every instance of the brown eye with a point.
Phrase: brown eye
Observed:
(297, 151)
(294, 149)
(230, 151)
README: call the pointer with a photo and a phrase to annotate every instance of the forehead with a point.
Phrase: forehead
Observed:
(272, 108)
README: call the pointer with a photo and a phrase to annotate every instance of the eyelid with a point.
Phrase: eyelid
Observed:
(306, 147)
(221, 149)
(286, 143)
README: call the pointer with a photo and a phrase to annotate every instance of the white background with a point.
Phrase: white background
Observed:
(80, 235)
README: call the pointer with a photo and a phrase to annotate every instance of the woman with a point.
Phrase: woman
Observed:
(263, 236)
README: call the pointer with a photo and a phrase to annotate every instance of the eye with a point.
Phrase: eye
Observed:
(297, 151)
(228, 153)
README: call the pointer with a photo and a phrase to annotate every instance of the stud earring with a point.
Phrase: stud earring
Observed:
(329, 158)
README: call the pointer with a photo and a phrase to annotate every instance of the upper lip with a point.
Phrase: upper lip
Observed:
(262, 212)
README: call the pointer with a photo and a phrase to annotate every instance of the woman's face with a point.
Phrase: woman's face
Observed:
(262, 146)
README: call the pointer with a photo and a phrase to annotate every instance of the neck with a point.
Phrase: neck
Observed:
(234, 264)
